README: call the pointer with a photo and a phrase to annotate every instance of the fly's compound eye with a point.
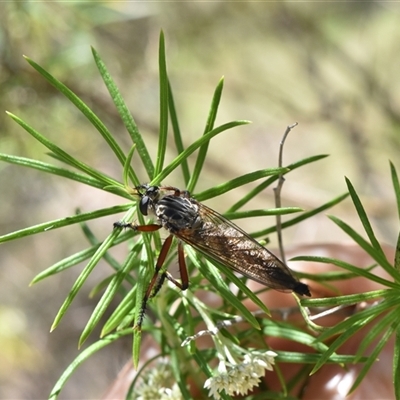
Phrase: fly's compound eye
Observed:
(144, 205)
(153, 191)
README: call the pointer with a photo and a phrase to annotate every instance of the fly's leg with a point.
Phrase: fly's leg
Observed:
(158, 279)
(182, 268)
(137, 228)
(177, 192)
(161, 258)
(184, 284)
(155, 283)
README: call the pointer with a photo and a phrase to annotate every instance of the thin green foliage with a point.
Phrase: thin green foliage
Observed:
(302, 217)
(209, 126)
(92, 239)
(364, 219)
(65, 156)
(108, 295)
(396, 187)
(396, 362)
(83, 356)
(60, 223)
(86, 111)
(127, 119)
(127, 170)
(374, 355)
(379, 320)
(163, 132)
(177, 135)
(193, 147)
(286, 331)
(130, 278)
(262, 213)
(75, 176)
(98, 255)
(375, 253)
(77, 258)
(384, 324)
(237, 182)
(357, 271)
(120, 317)
(262, 186)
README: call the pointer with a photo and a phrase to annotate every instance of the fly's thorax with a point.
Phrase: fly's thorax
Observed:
(176, 213)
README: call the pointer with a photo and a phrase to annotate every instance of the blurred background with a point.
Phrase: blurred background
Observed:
(331, 67)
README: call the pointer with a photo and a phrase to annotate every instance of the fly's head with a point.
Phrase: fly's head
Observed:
(149, 196)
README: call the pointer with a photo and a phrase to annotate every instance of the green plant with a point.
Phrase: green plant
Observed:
(183, 324)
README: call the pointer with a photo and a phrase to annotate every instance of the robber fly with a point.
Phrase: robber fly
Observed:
(211, 234)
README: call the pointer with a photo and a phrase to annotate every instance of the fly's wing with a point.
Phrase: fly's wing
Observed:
(228, 244)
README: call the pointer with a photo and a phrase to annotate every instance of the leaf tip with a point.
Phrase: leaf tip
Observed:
(82, 340)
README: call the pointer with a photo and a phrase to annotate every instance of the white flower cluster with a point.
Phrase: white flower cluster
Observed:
(154, 385)
(240, 378)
